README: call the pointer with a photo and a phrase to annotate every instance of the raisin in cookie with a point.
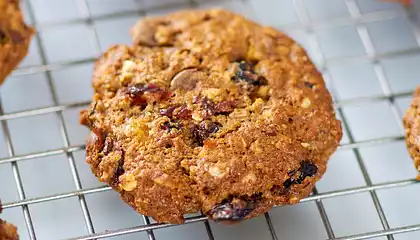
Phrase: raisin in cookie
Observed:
(7, 230)
(412, 129)
(209, 111)
(15, 37)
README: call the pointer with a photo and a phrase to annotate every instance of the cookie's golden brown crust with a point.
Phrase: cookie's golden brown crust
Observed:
(412, 129)
(209, 111)
(15, 37)
(7, 230)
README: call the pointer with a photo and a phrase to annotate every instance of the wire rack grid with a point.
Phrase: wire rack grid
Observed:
(367, 51)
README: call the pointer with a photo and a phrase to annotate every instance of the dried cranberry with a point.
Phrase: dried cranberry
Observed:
(143, 94)
(168, 112)
(203, 131)
(225, 107)
(184, 113)
(246, 73)
(208, 107)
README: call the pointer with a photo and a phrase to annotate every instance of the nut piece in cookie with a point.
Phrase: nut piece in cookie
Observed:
(15, 37)
(211, 112)
(7, 230)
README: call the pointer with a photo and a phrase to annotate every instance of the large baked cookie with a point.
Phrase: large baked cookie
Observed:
(15, 37)
(7, 230)
(209, 111)
(412, 129)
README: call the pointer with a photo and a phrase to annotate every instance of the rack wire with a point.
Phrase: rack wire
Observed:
(357, 19)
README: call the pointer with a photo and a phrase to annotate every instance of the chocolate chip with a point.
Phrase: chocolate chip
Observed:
(120, 169)
(203, 131)
(246, 73)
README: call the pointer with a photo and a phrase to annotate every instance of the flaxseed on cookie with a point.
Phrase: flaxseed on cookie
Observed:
(411, 122)
(15, 37)
(209, 111)
(7, 230)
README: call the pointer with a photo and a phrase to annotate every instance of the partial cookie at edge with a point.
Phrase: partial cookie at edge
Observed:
(15, 37)
(7, 230)
(411, 122)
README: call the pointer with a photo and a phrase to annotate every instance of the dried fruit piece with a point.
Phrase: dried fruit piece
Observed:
(120, 169)
(246, 73)
(210, 108)
(225, 107)
(307, 169)
(183, 113)
(144, 94)
(203, 131)
(168, 112)
(96, 139)
(187, 79)
(235, 208)
(231, 211)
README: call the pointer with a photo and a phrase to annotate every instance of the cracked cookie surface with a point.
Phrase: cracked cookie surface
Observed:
(15, 37)
(209, 111)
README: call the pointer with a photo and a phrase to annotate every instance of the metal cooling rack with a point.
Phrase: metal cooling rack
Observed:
(308, 24)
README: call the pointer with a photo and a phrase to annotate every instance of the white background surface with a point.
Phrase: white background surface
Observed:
(326, 28)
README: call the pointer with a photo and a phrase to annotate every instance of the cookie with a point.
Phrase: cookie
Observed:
(7, 230)
(209, 111)
(15, 37)
(411, 122)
